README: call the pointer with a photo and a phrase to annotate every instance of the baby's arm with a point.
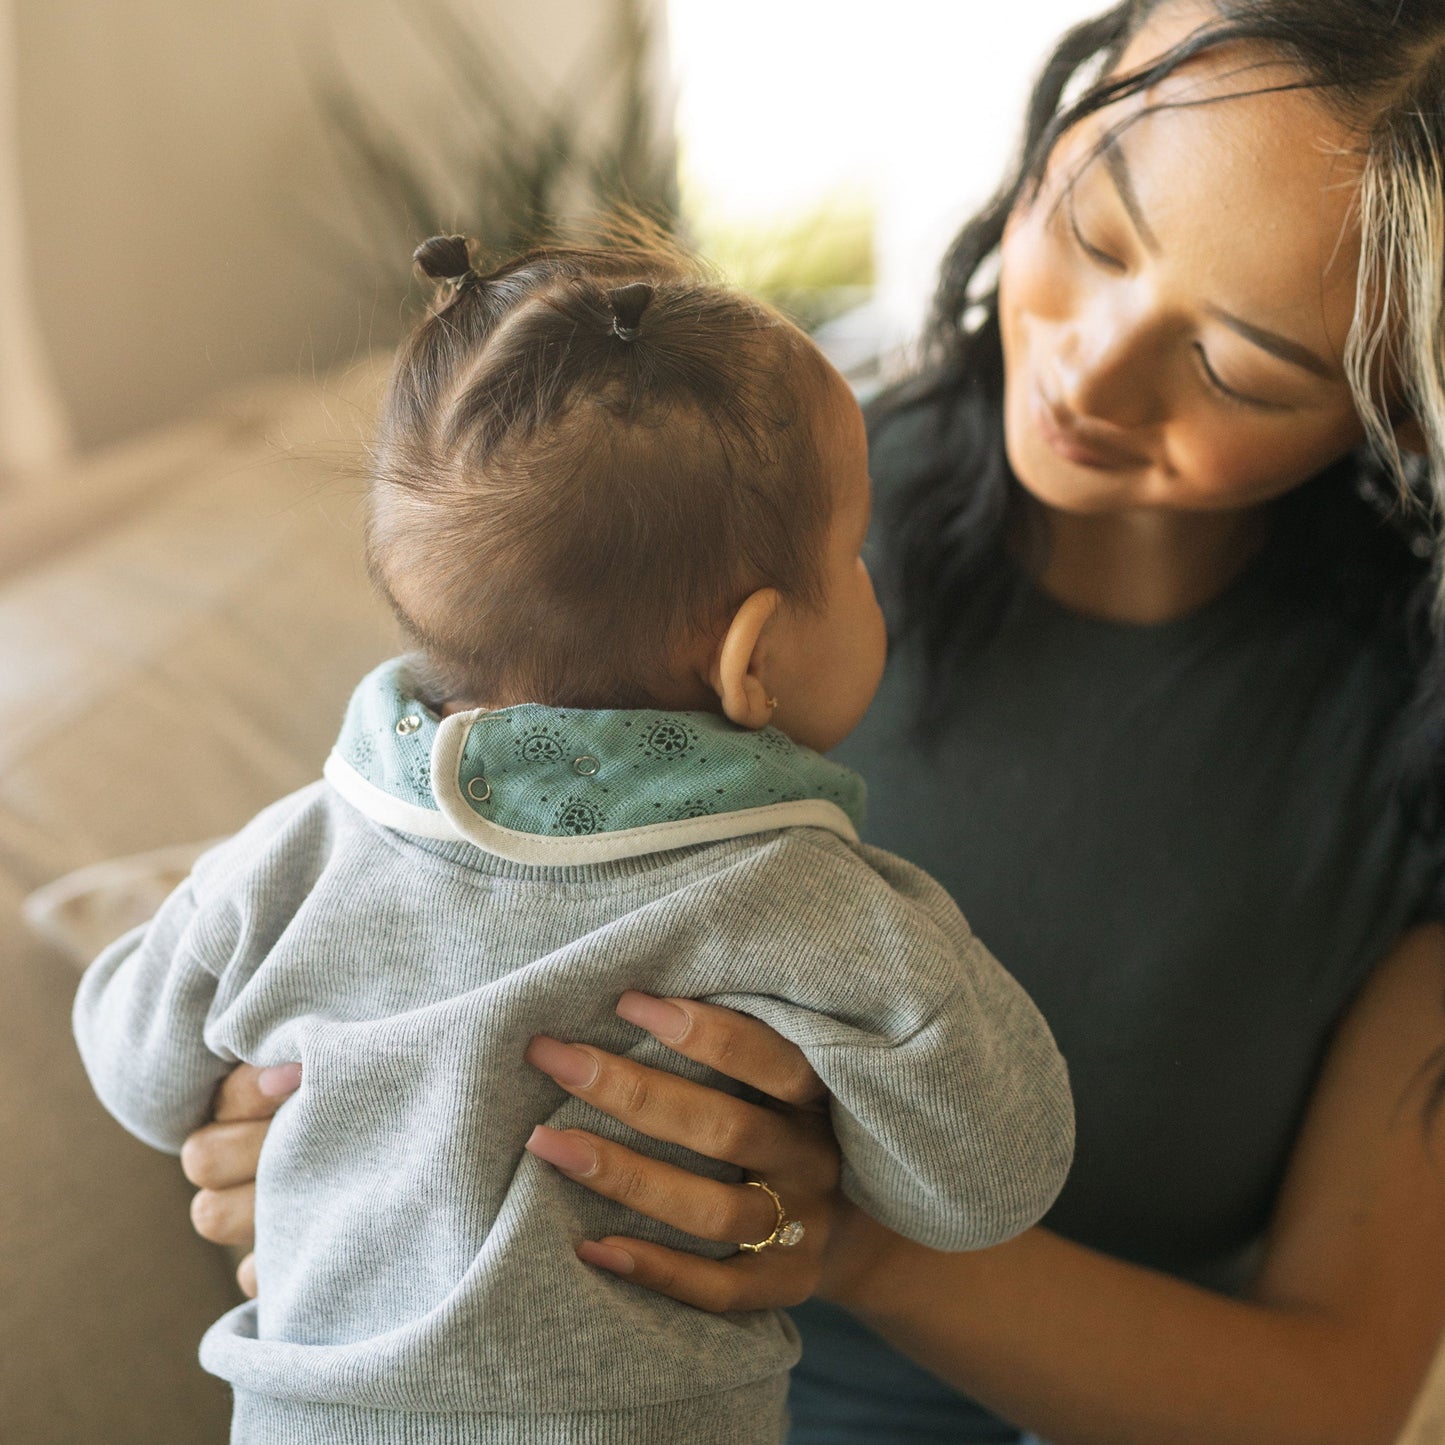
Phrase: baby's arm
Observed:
(951, 1102)
(139, 1020)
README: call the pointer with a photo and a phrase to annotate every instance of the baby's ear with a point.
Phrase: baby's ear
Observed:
(738, 663)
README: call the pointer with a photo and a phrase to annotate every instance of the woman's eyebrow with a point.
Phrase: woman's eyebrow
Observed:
(1276, 345)
(1117, 165)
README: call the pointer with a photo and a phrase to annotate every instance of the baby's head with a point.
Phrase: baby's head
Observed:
(603, 480)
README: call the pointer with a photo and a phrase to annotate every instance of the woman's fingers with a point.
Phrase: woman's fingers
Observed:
(246, 1276)
(251, 1093)
(219, 1156)
(225, 1216)
(732, 1043)
(670, 1108)
(776, 1278)
(222, 1157)
(790, 1147)
(707, 1208)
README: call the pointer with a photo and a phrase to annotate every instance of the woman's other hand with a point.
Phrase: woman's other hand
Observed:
(221, 1157)
(786, 1143)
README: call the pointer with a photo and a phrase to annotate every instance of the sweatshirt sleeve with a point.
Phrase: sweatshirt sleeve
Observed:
(950, 1099)
(960, 1136)
(140, 1017)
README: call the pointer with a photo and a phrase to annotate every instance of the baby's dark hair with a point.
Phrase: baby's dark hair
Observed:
(587, 455)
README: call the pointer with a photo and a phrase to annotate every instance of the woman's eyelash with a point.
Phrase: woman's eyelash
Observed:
(1228, 392)
(1091, 251)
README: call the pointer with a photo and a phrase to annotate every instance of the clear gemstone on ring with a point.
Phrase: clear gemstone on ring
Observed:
(791, 1233)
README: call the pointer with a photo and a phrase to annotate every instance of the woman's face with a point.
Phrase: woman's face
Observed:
(1174, 312)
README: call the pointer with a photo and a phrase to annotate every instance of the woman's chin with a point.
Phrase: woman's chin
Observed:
(1062, 486)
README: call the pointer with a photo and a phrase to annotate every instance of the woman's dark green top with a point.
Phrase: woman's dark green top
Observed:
(1188, 843)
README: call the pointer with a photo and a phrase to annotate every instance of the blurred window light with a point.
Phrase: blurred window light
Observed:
(794, 112)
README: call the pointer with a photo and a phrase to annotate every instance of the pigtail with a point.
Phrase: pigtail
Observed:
(628, 303)
(430, 357)
(447, 259)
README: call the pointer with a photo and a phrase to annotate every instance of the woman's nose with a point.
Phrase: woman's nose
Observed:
(1111, 372)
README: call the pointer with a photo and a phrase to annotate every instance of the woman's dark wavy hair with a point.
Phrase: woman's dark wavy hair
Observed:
(1366, 528)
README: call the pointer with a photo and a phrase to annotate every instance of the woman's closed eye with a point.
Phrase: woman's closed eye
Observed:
(1226, 392)
(1215, 383)
(1095, 253)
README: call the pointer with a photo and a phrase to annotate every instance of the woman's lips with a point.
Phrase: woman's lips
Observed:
(1077, 444)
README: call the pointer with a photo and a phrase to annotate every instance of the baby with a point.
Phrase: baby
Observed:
(619, 511)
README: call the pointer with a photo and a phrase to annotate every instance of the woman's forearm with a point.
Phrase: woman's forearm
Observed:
(1087, 1350)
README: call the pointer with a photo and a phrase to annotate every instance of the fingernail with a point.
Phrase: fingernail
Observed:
(572, 1068)
(606, 1256)
(661, 1019)
(566, 1151)
(279, 1079)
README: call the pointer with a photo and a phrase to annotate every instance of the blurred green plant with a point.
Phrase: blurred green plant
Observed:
(814, 264)
(512, 166)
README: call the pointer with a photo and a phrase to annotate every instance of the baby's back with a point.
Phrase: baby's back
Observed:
(416, 1264)
(411, 1254)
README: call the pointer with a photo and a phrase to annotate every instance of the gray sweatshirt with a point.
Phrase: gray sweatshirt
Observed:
(405, 927)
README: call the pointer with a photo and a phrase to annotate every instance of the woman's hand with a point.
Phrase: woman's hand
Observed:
(788, 1144)
(221, 1157)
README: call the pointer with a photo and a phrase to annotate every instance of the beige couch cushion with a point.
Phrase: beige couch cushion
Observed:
(176, 671)
(170, 671)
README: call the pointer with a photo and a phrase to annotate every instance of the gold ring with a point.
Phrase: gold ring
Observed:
(786, 1232)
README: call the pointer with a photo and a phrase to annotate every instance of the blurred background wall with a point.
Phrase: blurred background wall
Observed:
(33, 427)
(173, 179)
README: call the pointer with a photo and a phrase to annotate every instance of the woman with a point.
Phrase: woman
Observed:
(1159, 717)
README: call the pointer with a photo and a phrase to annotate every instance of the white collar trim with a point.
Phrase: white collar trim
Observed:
(458, 820)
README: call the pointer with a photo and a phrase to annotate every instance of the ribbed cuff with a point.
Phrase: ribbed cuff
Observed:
(756, 1414)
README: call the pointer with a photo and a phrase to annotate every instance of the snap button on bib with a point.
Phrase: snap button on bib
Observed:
(586, 766)
(479, 790)
(408, 724)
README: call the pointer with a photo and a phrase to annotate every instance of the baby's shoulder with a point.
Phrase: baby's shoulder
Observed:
(841, 929)
(870, 873)
(290, 839)
(825, 887)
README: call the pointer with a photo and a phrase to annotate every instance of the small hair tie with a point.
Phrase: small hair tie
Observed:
(447, 259)
(628, 303)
